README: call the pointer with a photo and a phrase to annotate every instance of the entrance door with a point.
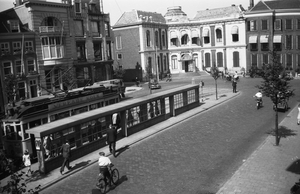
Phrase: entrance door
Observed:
(186, 66)
(33, 88)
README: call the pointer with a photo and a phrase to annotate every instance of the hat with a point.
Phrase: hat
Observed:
(101, 153)
(26, 151)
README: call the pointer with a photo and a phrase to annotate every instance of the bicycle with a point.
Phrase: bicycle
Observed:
(114, 178)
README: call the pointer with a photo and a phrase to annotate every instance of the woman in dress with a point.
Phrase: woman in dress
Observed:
(27, 162)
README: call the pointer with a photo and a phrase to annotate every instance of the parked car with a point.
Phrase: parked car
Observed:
(153, 84)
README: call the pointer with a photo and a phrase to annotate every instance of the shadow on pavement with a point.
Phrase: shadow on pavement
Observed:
(122, 149)
(283, 132)
(294, 167)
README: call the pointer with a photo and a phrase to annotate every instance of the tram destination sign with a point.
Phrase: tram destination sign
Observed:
(76, 101)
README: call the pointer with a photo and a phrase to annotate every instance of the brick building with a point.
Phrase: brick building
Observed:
(273, 25)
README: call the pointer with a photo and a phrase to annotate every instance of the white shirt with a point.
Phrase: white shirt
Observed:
(104, 161)
(258, 95)
(114, 118)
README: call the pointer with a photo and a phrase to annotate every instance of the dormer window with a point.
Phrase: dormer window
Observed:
(14, 26)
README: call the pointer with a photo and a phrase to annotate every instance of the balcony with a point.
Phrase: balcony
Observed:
(32, 73)
(20, 76)
(29, 52)
(47, 29)
(5, 53)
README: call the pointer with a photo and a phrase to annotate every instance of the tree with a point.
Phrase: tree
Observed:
(17, 185)
(275, 82)
(215, 73)
(119, 72)
(10, 84)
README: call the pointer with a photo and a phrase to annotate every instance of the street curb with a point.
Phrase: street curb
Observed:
(177, 121)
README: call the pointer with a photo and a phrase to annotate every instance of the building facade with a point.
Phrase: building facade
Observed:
(273, 25)
(59, 46)
(141, 45)
(213, 38)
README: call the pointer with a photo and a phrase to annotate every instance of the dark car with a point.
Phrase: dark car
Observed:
(153, 84)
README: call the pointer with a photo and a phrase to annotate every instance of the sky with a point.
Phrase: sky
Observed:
(117, 7)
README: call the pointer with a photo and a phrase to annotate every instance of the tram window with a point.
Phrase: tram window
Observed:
(80, 110)
(84, 135)
(25, 127)
(19, 133)
(10, 133)
(72, 143)
(112, 101)
(63, 115)
(93, 106)
(45, 120)
(52, 118)
(57, 135)
(34, 123)
(68, 131)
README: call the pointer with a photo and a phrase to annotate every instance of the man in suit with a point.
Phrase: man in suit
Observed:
(66, 152)
(111, 138)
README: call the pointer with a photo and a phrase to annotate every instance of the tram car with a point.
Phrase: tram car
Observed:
(37, 111)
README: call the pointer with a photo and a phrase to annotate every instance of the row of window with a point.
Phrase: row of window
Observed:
(289, 24)
(15, 47)
(184, 40)
(95, 28)
(160, 40)
(18, 68)
(161, 63)
(265, 59)
(291, 42)
(207, 60)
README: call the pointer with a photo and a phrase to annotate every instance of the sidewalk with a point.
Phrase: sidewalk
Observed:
(270, 169)
(54, 176)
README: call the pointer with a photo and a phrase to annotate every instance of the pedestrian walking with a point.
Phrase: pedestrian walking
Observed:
(111, 138)
(27, 162)
(151, 110)
(234, 86)
(298, 117)
(66, 152)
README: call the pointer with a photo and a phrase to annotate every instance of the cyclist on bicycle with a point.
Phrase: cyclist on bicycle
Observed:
(258, 96)
(104, 162)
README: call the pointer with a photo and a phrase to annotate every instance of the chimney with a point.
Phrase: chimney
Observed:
(18, 3)
(251, 4)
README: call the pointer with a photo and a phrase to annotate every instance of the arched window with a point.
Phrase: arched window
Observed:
(156, 38)
(207, 59)
(165, 62)
(174, 62)
(173, 38)
(148, 37)
(219, 35)
(163, 37)
(195, 60)
(236, 59)
(220, 59)
(184, 39)
(206, 36)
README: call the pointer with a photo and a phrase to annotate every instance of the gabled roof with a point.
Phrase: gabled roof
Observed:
(7, 15)
(276, 4)
(225, 12)
(137, 16)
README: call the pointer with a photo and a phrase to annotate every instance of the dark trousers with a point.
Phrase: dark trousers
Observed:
(112, 147)
(104, 171)
(66, 163)
(234, 89)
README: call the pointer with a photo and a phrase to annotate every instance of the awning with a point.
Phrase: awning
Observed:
(234, 30)
(173, 35)
(253, 39)
(183, 32)
(195, 34)
(277, 39)
(205, 32)
(186, 57)
(264, 39)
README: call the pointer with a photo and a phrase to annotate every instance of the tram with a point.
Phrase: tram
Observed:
(37, 111)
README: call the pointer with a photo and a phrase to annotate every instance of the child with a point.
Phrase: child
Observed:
(27, 162)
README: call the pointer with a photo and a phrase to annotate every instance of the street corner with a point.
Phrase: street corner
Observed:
(131, 89)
